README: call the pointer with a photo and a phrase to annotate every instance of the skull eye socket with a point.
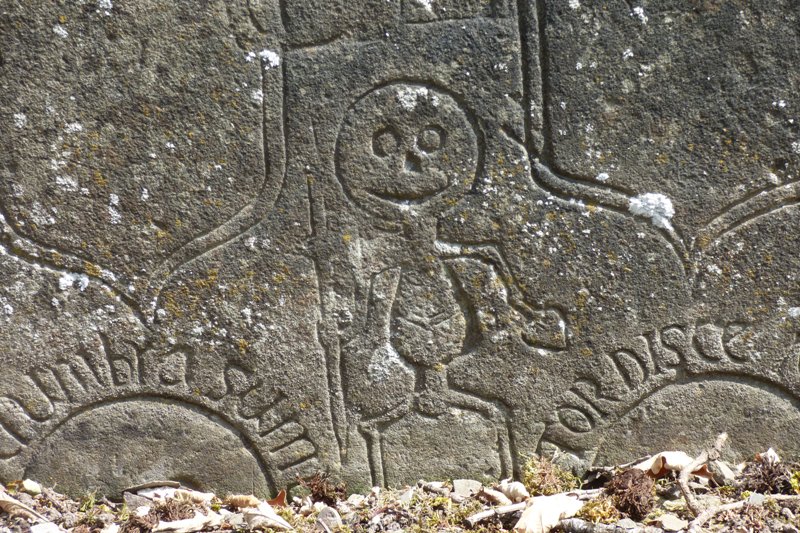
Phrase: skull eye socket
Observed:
(431, 139)
(385, 142)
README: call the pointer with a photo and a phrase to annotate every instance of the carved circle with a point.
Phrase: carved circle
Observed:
(407, 147)
(687, 415)
(120, 443)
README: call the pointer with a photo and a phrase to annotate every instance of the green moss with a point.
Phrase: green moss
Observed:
(794, 480)
(88, 502)
(600, 510)
(543, 478)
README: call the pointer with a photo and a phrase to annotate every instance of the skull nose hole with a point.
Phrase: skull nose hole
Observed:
(413, 163)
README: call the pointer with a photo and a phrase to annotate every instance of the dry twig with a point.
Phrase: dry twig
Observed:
(712, 454)
(696, 524)
(497, 511)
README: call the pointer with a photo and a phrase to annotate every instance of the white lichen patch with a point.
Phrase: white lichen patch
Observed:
(61, 31)
(794, 312)
(410, 97)
(105, 4)
(68, 280)
(655, 206)
(145, 194)
(602, 177)
(574, 4)
(427, 4)
(67, 183)
(73, 127)
(627, 54)
(113, 213)
(20, 120)
(257, 96)
(269, 59)
(40, 216)
(384, 363)
(639, 12)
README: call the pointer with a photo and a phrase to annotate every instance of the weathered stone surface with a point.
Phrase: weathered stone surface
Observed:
(392, 240)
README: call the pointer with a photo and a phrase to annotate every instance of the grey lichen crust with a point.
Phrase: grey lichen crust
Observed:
(391, 240)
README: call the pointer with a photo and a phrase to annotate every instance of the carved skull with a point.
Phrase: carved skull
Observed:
(404, 145)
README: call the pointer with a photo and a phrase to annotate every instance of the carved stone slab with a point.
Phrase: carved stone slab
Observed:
(243, 241)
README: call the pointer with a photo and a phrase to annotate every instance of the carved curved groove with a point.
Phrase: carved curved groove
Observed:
(750, 209)
(219, 418)
(605, 197)
(273, 130)
(33, 253)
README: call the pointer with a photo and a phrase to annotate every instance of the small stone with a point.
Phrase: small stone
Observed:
(231, 518)
(329, 520)
(466, 487)
(627, 523)
(69, 520)
(105, 518)
(405, 498)
(31, 487)
(756, 499)
(357, 501)
(26, 499)
(674, 505)
(723, 474)
(515, 490)
(671, 522)
(47, 527)
(52, 514)
(436, 487)
(134, 501)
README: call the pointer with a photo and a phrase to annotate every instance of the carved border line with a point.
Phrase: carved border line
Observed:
(273, 132)
(752, 206)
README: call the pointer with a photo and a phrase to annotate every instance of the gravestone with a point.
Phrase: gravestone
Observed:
(393, 239)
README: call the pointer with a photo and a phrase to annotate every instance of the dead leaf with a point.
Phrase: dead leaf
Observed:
(190, 525)
(544, 512)
(194, 496)
(16, 508)
(240, 501)
(665, 462)
(279, 500)
(264, 516)
(157, 493)
(494, 496)
(769, 457)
